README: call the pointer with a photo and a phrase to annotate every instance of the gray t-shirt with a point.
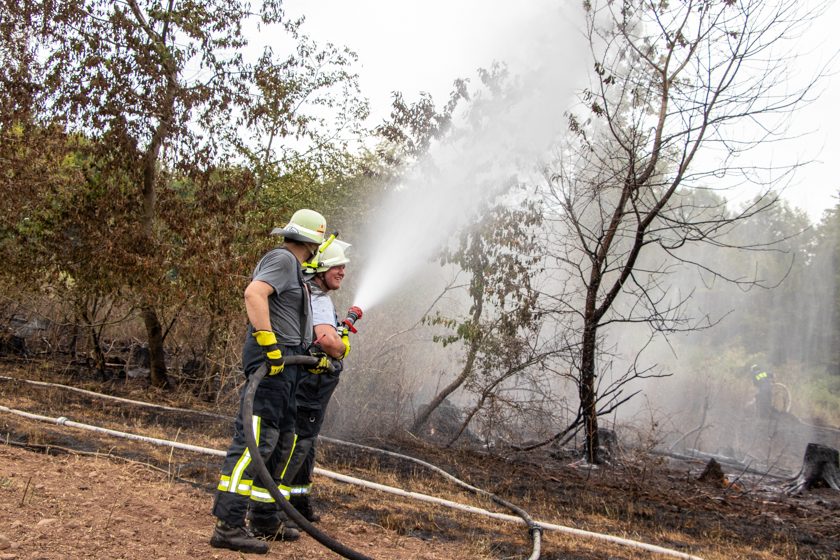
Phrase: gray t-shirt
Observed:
(288, 306)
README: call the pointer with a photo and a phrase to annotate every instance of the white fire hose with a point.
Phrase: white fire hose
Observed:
(63, 421)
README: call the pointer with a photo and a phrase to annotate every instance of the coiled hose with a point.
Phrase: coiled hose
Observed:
(248, 414)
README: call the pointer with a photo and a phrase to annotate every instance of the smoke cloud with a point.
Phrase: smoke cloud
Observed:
(438, 195)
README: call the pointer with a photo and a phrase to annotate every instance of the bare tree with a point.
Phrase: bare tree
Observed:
(680, 90)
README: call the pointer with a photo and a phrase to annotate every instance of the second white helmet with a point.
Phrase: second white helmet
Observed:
(333, 254)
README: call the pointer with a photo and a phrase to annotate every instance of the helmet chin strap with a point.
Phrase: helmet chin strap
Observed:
(328, 242)
(312, 261)
(321, 280)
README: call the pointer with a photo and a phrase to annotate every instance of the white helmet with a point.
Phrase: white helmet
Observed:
(331, 255)
(306, 226)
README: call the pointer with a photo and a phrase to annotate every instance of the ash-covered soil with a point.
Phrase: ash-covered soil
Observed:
(72, 493)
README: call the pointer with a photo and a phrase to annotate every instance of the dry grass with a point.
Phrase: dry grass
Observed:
(641, 498)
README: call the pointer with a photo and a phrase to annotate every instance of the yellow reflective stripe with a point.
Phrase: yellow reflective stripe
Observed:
(236, 483)
(259, 494)
(241, 465)
(292, 452)
(244, 486)
(301, 490)
(760, 376)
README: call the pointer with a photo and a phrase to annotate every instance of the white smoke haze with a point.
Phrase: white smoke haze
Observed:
(438, 195)
(436, 198)
(705, 402)
(395, 357)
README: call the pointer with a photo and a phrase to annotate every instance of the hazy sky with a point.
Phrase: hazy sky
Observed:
(413, 46)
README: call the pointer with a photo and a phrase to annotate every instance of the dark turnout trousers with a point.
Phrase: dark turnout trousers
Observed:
(273, 424)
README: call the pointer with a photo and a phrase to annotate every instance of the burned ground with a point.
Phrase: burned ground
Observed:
(68, 493)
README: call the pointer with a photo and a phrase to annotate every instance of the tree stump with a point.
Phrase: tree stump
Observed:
(12, 345)
(820, 468)
(713, 474)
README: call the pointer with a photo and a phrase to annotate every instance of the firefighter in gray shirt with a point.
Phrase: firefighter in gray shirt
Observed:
(280, 324)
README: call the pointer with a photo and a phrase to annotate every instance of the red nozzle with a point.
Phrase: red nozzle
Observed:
(353, 315)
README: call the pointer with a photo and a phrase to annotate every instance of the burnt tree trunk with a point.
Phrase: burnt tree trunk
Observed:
(820, 468)
(587, 392)
(168, 97)
(157, 358)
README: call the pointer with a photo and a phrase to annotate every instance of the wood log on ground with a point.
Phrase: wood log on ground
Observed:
(820, 468)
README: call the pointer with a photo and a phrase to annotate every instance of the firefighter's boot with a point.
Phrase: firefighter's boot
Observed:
(304, 506)
(237, 538)
(274, 528)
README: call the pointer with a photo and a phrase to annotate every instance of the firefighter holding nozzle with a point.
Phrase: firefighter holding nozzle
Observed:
(315, 390)
(277, 303)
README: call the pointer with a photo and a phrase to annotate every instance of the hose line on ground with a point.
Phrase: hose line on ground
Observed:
(118, 399)
(268, 481)
(534, 528)
(63, 421)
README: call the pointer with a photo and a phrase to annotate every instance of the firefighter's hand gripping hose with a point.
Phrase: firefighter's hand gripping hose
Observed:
(262, 470)
(268, 342)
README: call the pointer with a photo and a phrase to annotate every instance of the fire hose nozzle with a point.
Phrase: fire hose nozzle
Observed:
(353, 315)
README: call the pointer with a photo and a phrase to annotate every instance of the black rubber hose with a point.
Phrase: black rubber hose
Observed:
(268, 480)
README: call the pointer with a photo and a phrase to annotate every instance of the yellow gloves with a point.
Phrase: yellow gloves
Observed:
(323, 366)
(345, 338)
(268, 342)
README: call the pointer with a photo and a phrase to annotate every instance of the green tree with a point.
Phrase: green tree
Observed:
(161, 93)
(151, 84)
(284, 134)
(59, 212)
(822, 282)
(781, 243)
(502, 323)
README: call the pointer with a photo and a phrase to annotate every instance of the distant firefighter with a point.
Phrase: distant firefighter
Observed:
(763, 382)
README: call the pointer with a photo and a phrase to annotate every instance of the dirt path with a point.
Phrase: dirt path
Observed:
(150, 503)
(63, 507)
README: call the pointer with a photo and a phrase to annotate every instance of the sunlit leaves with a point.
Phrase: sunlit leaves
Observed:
(126, 115)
